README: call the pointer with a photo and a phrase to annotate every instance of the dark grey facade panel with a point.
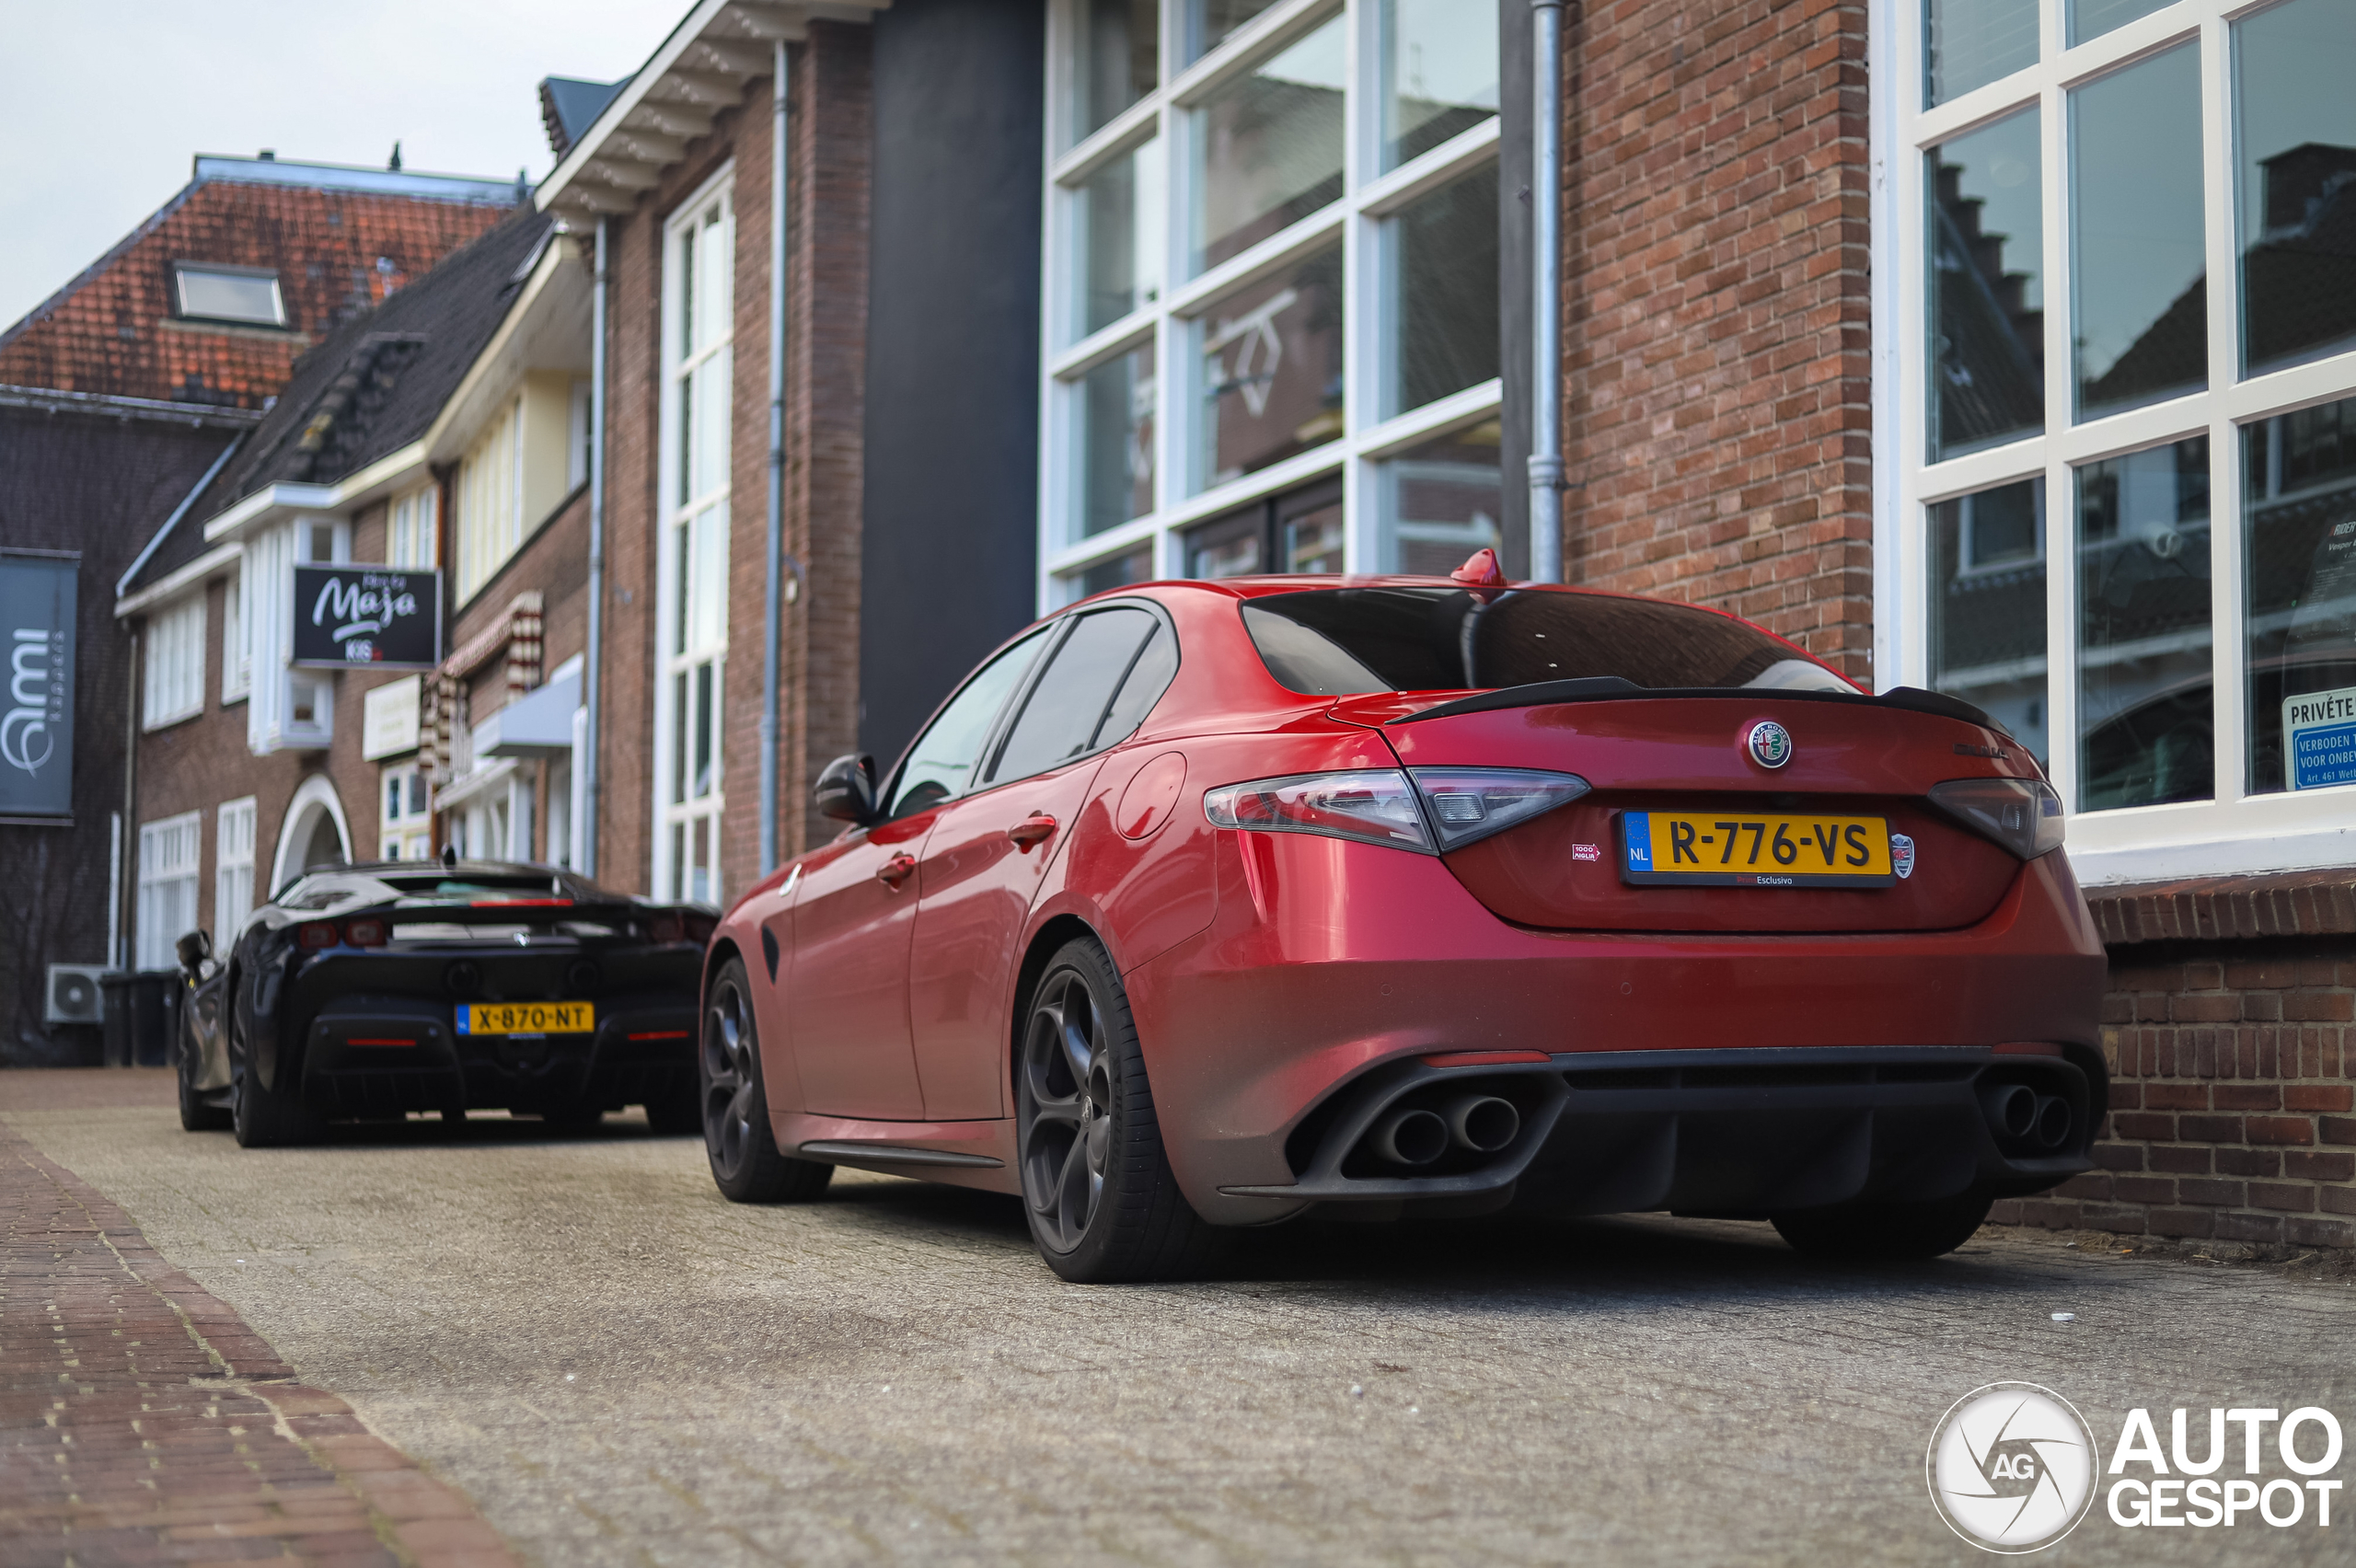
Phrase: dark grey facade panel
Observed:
(951, 515)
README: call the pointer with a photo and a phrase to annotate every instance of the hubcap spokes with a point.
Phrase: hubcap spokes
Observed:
(1068, 1103)
(728, 1079)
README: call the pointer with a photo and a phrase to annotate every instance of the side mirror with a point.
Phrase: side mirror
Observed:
(846, 790)
(193, 949)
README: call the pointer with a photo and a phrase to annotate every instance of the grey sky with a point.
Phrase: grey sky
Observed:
(104, 102)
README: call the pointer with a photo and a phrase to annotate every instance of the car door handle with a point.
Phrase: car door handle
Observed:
(1037, 828)
(894, 871)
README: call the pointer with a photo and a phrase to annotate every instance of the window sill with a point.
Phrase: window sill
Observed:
(2227, 909)
(170, 720)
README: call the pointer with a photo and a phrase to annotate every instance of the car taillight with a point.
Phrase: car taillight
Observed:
(2022, 815)
(313, 935)
(367, 931)
(1470, 803)
(666, 928)
(1373, 806)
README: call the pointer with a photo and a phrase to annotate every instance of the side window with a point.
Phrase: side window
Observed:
(1149, 676)
(1067, 706)
(941, 763)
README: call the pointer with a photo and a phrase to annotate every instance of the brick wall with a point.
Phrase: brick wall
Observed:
(2233, 1077)
(1715, 292)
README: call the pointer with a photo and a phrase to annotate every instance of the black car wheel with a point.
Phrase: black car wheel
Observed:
(1097, 1186)
(197, 1114)
(746, 1161)
(262, 1117)
(1886, 1232)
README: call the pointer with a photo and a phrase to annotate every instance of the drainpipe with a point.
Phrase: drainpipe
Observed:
(773, 604)
(1547, 308)
(592, 663)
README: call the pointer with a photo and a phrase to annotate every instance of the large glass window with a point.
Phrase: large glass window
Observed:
(1118, 59)
(1116, 443)
(1969, 43)
(1272, 370)
(2144, 665)
(2300, 563)
(1211, 22)
(2143, 315)
(2092, 18)
(1987, 606)
(1443, 293)
(1268, 147)
(1121, 208)
(1985, 293)
(1441, 501)
(2296, 142)
(1439, 74)
(941, 763)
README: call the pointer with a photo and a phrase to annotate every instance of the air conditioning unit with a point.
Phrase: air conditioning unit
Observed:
(73, 994)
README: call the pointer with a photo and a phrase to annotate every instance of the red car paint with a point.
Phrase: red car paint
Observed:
(1269, 973)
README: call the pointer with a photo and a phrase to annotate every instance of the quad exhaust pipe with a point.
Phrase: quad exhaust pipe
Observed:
(2019, 1115)
(1477, 1123)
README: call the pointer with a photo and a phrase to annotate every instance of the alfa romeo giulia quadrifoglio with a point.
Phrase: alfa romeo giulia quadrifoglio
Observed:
(1217, 904)
(368, 992)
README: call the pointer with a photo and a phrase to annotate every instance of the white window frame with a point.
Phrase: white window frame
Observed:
(233, 869)
(236, 641)
(396, 833)
(411, 536)
(174, 685)
(2234, 832)
(489, 498)
(170, 858)
(1369, 197)
(702, 815)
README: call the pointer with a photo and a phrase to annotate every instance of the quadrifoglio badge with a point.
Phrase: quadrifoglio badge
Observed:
(2012, 1468)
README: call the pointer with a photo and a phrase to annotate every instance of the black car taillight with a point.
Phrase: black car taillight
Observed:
(313, 935)
(2022, 815)
(366, 931)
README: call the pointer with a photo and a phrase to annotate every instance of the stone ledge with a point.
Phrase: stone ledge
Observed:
(2220, 909)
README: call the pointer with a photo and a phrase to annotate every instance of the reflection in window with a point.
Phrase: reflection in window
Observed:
(1120, 571)
(1120, 233)
(940, 763)
(1229, 547)
(1313, 540)
(1268, 148)
(1440, 502)
(2296, 143)
(2301, 560)
(1120, 58)
(1987, 606)
(1116, 441)
(1441, 319)
(1272, 370)
(1973, 42)
(2140, 257)
(2092, 18)
(2144, 654)
(1213, 20)
(1067, 706)
(1439, 70)
(1986, 288)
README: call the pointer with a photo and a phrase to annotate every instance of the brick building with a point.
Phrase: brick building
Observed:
(118, 395)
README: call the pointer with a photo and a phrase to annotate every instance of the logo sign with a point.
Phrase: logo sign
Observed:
(2012, 1468)
(37, 704)
(1901, 856)
(1770, 744)
(2319, 738)
(380, 616)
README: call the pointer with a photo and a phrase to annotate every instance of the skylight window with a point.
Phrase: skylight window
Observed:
(247, 294)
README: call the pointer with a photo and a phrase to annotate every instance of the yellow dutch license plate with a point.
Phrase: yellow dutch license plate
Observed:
(1755, 849)
(528, 1018)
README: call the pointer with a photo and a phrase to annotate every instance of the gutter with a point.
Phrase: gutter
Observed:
(1546, 287)
(123, 584)
(773, 610)
(592, 659)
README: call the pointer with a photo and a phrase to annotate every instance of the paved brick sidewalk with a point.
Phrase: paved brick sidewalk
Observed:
(143, 1422)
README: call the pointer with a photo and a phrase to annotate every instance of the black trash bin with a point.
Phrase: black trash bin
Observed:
(142, 1009)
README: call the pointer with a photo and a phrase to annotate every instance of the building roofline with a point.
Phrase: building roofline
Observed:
(108, 405)
(364, 181)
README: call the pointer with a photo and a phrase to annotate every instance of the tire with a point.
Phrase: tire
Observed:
(733, 1104)
(196, 1114)
(264, 1118)
(1886, 1232)
(1097, 1189)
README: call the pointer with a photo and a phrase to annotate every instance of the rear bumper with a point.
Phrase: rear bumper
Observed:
(379, 1055)
(1331, 968)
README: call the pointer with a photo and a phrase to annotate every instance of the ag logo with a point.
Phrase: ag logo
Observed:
(2012, 1468)
(1771, 743)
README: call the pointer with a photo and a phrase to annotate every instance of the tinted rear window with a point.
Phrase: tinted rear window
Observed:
(1336, 641)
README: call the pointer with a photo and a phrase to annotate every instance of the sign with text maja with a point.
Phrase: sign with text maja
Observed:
(37, 704)
(381, 616)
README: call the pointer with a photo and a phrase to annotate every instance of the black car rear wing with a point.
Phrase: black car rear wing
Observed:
(1617, 688)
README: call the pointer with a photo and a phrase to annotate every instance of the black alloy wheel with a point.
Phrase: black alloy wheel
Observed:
(197, 1114)
(1097, 1187)
(746, 1161)
(1886, 1232)
(262, 1117)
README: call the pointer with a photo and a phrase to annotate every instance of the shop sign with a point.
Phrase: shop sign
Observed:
(36, 705)
(390, 719)
(2319, 738)
(385, 618)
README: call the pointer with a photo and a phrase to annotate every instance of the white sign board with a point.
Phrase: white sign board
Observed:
(2319, 738)
(389, 725)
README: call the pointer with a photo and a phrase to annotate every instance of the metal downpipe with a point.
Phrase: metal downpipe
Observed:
(1546, 285)
(592, 662)
(773, 603)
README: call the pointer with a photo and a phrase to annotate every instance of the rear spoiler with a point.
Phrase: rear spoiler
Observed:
(1618, 689)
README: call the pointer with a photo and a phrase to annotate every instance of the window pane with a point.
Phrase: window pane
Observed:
(1312, 541)
(1439, 73)
(1272, 370)
(1116, 441)
(680, 710)
(231, 296)
(708, 452)
(1119, 572)
(2297, 124)
(2302, 565)
(943, 760)
(1440, 502)
(2092, 18)
(1148, 677)
(1231, 548)
(1973, 43)
(2135, 209)
(1987, 606)
(2143, 655)
(1059, 719)
(702, 780)
(1268, 148)
(1986, 293)
(1121, 237)
(1119, 59)
(1442, 294)
(715, 288)
(1214, 19)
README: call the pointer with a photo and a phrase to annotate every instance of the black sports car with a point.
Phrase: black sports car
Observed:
(372, 991)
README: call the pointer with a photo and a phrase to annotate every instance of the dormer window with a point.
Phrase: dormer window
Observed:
(247, 295)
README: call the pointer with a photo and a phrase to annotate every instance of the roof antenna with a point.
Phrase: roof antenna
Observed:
(396, 165)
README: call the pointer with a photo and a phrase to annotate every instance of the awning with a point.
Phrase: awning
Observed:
(481, 781)
(537, 725)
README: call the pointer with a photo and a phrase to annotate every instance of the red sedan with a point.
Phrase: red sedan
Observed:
(1220, 904)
